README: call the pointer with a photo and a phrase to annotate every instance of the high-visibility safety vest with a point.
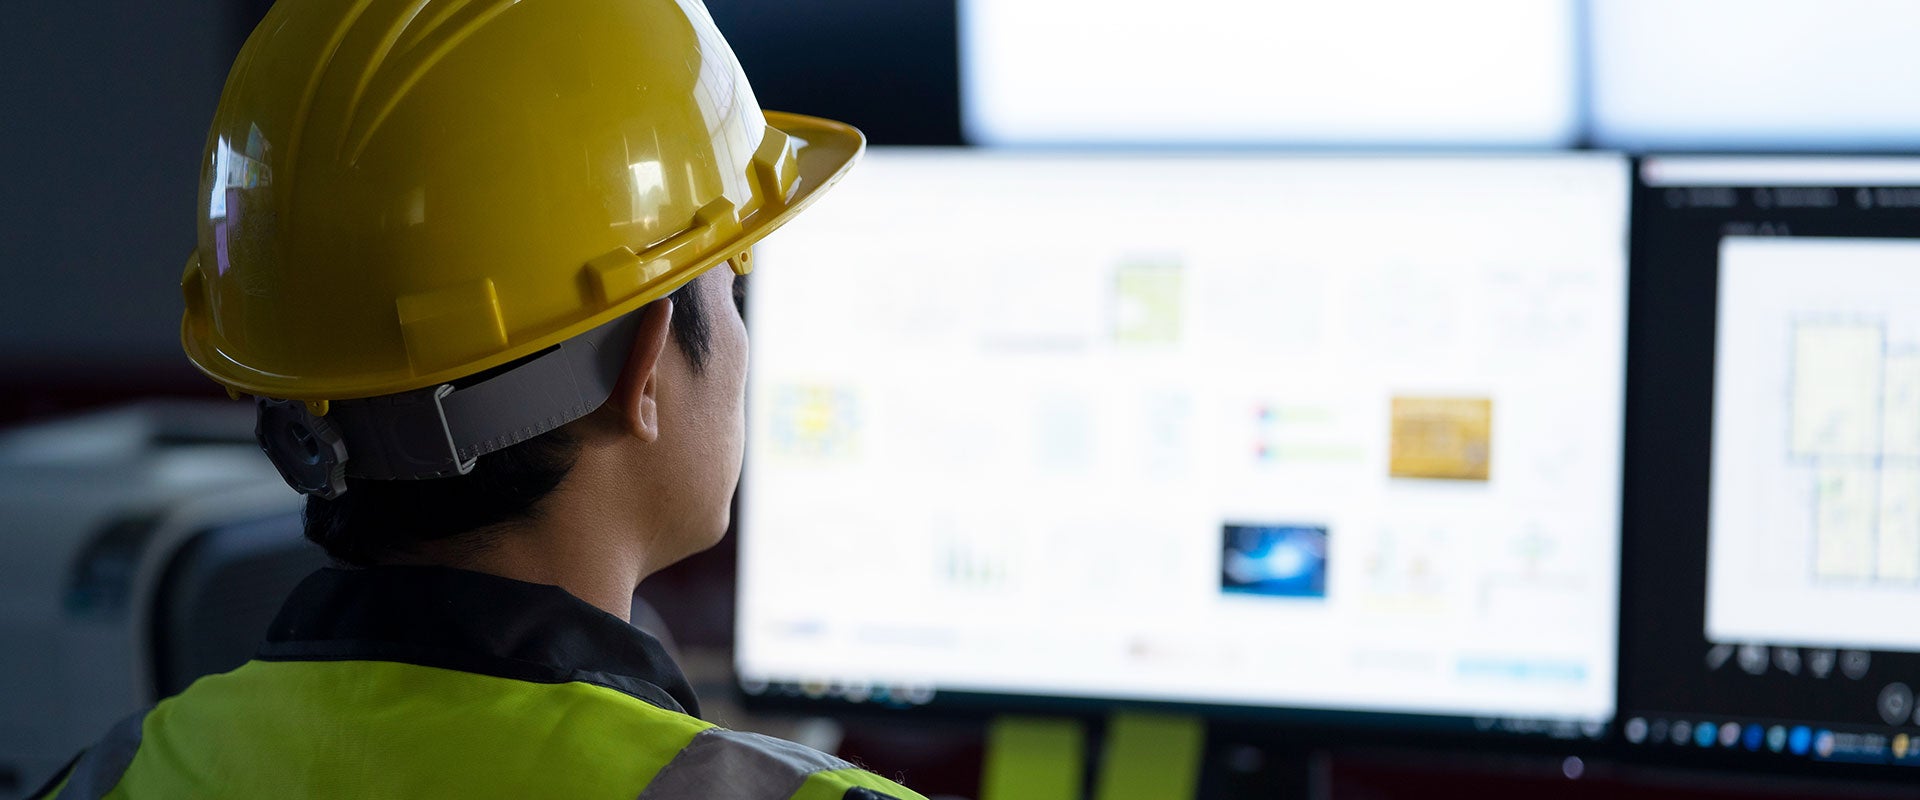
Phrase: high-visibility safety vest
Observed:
(425, 682)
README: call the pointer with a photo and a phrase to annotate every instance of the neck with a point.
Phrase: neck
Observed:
(577, 541)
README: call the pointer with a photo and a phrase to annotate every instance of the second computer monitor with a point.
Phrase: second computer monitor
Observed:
(1773, 500)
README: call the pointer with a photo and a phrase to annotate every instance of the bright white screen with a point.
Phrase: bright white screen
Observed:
(1298, 72)
(1815, 533)
(1755, 74)
(1332, 433)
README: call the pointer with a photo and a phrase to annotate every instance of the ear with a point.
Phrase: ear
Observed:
(635, 395)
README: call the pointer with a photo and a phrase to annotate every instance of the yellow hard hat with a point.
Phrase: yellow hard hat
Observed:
(401, 195)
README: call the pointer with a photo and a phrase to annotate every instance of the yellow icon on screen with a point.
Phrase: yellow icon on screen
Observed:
(1442, 437)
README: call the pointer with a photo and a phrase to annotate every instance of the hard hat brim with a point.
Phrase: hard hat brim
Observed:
(824, 150)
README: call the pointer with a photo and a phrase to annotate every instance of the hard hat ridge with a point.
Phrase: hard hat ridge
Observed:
(422, 33)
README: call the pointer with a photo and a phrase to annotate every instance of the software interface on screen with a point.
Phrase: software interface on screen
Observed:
(1465, 72)
(1323, 433)
(1754, 74)
(1774, 489)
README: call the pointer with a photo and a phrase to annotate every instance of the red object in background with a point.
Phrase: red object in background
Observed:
(28, 394)
(1387, 775)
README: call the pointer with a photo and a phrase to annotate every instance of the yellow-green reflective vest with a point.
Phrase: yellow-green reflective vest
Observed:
(420, 682)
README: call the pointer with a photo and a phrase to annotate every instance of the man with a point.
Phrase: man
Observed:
(462, 254)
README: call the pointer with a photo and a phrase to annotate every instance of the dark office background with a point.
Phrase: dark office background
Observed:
(106, 104)
(106, 109)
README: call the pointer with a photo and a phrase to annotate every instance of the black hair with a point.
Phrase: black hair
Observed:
(377, 520)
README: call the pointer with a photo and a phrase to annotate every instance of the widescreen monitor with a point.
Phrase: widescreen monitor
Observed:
(1374, 73)
(1773, 495)
(1718, 75)
(1332, 439)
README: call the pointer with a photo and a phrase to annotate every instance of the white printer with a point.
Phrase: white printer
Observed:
(110, 572)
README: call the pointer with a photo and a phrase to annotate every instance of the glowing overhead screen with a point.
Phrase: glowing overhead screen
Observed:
(1755, 74)
(1290, 72)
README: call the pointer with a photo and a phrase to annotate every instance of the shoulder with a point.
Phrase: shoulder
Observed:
(595, 737)
(758, 766)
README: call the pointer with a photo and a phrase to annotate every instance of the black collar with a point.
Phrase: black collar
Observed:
(472, 622)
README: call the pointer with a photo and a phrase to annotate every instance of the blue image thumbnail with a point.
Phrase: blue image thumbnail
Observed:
(1275, 560)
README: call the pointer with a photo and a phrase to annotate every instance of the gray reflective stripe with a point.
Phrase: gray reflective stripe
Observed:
(104, 764)
(729, 765)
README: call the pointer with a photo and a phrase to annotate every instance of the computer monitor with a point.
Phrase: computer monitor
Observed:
(1330, 440)
(1772, 557)
(1392, 73)
(1717, 75)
